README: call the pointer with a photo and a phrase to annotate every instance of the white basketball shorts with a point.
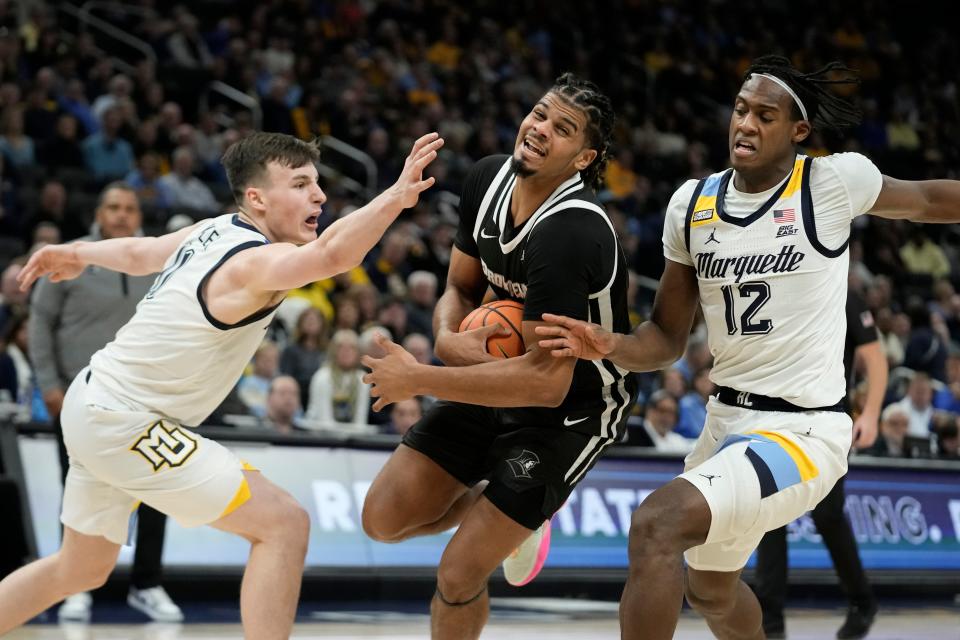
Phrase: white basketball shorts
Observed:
(759, 470)
(120, 457)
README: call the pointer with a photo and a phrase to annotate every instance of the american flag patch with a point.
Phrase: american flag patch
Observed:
(783, 216)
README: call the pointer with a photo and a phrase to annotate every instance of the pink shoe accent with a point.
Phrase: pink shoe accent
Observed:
(542, 552)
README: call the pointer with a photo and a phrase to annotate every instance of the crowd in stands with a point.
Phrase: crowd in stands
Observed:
(78, 111)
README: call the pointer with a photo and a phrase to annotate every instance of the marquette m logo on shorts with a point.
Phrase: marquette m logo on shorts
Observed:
(162, 445)
(523, 464)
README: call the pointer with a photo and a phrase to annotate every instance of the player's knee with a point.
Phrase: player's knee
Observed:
(376, 521)
(460, 582)
(296, 524)
(83, 574)
(650, 529)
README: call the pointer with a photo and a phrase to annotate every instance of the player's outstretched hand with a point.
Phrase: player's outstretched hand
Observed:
(60, 261)
(410, 184)
(467, 347)
(575, 338)
(389, 376)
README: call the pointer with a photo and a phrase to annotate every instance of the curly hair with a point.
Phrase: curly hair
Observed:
(587, 97)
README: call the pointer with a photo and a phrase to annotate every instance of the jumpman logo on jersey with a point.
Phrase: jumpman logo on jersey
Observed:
(712, 237)
(709, 478)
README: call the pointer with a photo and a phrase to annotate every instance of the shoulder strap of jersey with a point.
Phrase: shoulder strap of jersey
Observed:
(703, 204)
(809, 219)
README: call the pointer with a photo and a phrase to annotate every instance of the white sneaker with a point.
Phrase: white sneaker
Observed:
(155, 603)
(76, 608)
(525, 562)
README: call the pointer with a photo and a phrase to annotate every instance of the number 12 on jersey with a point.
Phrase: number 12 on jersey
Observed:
(748, 325)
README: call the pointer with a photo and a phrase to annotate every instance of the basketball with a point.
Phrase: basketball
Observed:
(509, 314)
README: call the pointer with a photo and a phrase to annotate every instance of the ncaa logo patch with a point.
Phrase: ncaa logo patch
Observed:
(523, 464)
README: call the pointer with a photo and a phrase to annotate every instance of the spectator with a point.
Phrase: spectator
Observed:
(422, 295)
(283, 405)
(388, 267)
(63, 148)
(108, 156)
(918, 405)
(674, 383)
(948, 398)
(16, 147)
(693, 406)
(894, 424)
(53, 207)
(926, 348)
(404, 414)
(339, 399)
(74, 101)
(948, 440)
(254, 387)
(145, 180)
(420, 347)
(13, 301)
(186, 190)
(305, 353)
(119, 90)
(14, 359)
(657, 429)
(922, 256)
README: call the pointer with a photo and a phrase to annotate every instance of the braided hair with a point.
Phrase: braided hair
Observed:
(587, 97)
(826, 110)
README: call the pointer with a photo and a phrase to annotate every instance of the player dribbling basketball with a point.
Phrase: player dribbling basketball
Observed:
(532, 229)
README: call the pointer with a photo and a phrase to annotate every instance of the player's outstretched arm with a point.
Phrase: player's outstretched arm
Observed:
(654, 345)
(133, 256)
(918, 200)
(345, 243)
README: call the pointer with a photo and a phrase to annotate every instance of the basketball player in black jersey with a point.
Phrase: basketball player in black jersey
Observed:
(512, 437)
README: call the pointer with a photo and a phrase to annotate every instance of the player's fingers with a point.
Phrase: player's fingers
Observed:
(26, 278)
(550, 330)
(380, 404)
(388, 345)
(553, 343)
(433, 147)
(423, 185)
(422, 141)
(421, 163)
(561, 320)
(562, 353)
(496, 329)
(368, 362)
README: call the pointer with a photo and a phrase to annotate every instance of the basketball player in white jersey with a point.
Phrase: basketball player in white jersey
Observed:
(763, 248)
(125, 416)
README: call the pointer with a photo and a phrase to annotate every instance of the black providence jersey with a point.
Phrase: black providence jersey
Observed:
(564, 259)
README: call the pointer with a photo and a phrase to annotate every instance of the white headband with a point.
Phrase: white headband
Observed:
(796, 98)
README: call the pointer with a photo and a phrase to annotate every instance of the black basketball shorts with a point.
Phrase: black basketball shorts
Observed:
(531, 469)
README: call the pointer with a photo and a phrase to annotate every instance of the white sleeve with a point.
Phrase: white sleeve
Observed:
(843, 186)
(674, 243)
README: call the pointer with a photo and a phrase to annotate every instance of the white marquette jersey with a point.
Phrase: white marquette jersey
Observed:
(772, 273)
(173, 357)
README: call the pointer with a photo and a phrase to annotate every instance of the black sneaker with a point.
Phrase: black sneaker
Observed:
(858, 622)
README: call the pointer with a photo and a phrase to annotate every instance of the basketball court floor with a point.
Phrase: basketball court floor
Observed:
(511, 619)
